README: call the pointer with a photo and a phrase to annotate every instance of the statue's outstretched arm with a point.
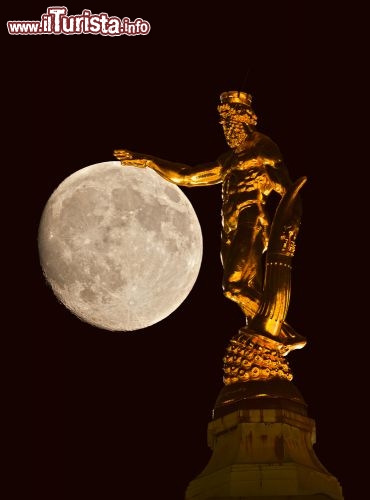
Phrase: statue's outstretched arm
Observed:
(205, 174)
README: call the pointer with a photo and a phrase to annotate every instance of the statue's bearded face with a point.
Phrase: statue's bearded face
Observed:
(235, 121)
(234, 131)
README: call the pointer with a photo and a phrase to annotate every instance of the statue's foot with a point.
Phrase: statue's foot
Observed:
(287, 340)
(292, 338)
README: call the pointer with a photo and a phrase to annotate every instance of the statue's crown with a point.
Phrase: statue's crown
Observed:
(235, 96)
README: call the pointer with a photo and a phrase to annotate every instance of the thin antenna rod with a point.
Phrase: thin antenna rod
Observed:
(243, 86)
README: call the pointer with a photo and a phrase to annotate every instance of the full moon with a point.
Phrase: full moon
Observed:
(120, 246)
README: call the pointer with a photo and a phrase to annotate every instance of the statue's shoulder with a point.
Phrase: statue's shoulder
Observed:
(265, 146)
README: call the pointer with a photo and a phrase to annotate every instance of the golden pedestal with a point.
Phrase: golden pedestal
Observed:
(262, 440)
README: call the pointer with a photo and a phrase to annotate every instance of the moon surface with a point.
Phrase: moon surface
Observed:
(120, 246)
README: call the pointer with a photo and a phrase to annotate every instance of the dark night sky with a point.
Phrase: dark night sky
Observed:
(124, 415)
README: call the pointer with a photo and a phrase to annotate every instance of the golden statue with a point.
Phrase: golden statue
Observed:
(256, 255)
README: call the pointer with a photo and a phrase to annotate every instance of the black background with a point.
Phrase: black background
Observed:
(124, 415)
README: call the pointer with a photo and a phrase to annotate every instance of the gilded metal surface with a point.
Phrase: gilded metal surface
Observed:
(247, 358)
(249, 172)
(275, 298)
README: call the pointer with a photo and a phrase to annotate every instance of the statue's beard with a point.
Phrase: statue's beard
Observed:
(235, 135)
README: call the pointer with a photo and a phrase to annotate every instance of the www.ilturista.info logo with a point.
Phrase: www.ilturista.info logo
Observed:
(56, 22)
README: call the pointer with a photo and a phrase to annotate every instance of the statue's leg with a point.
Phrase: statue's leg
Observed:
(242, 261)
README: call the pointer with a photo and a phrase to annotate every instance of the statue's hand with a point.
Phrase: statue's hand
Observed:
(123, 154)
(130, 158)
